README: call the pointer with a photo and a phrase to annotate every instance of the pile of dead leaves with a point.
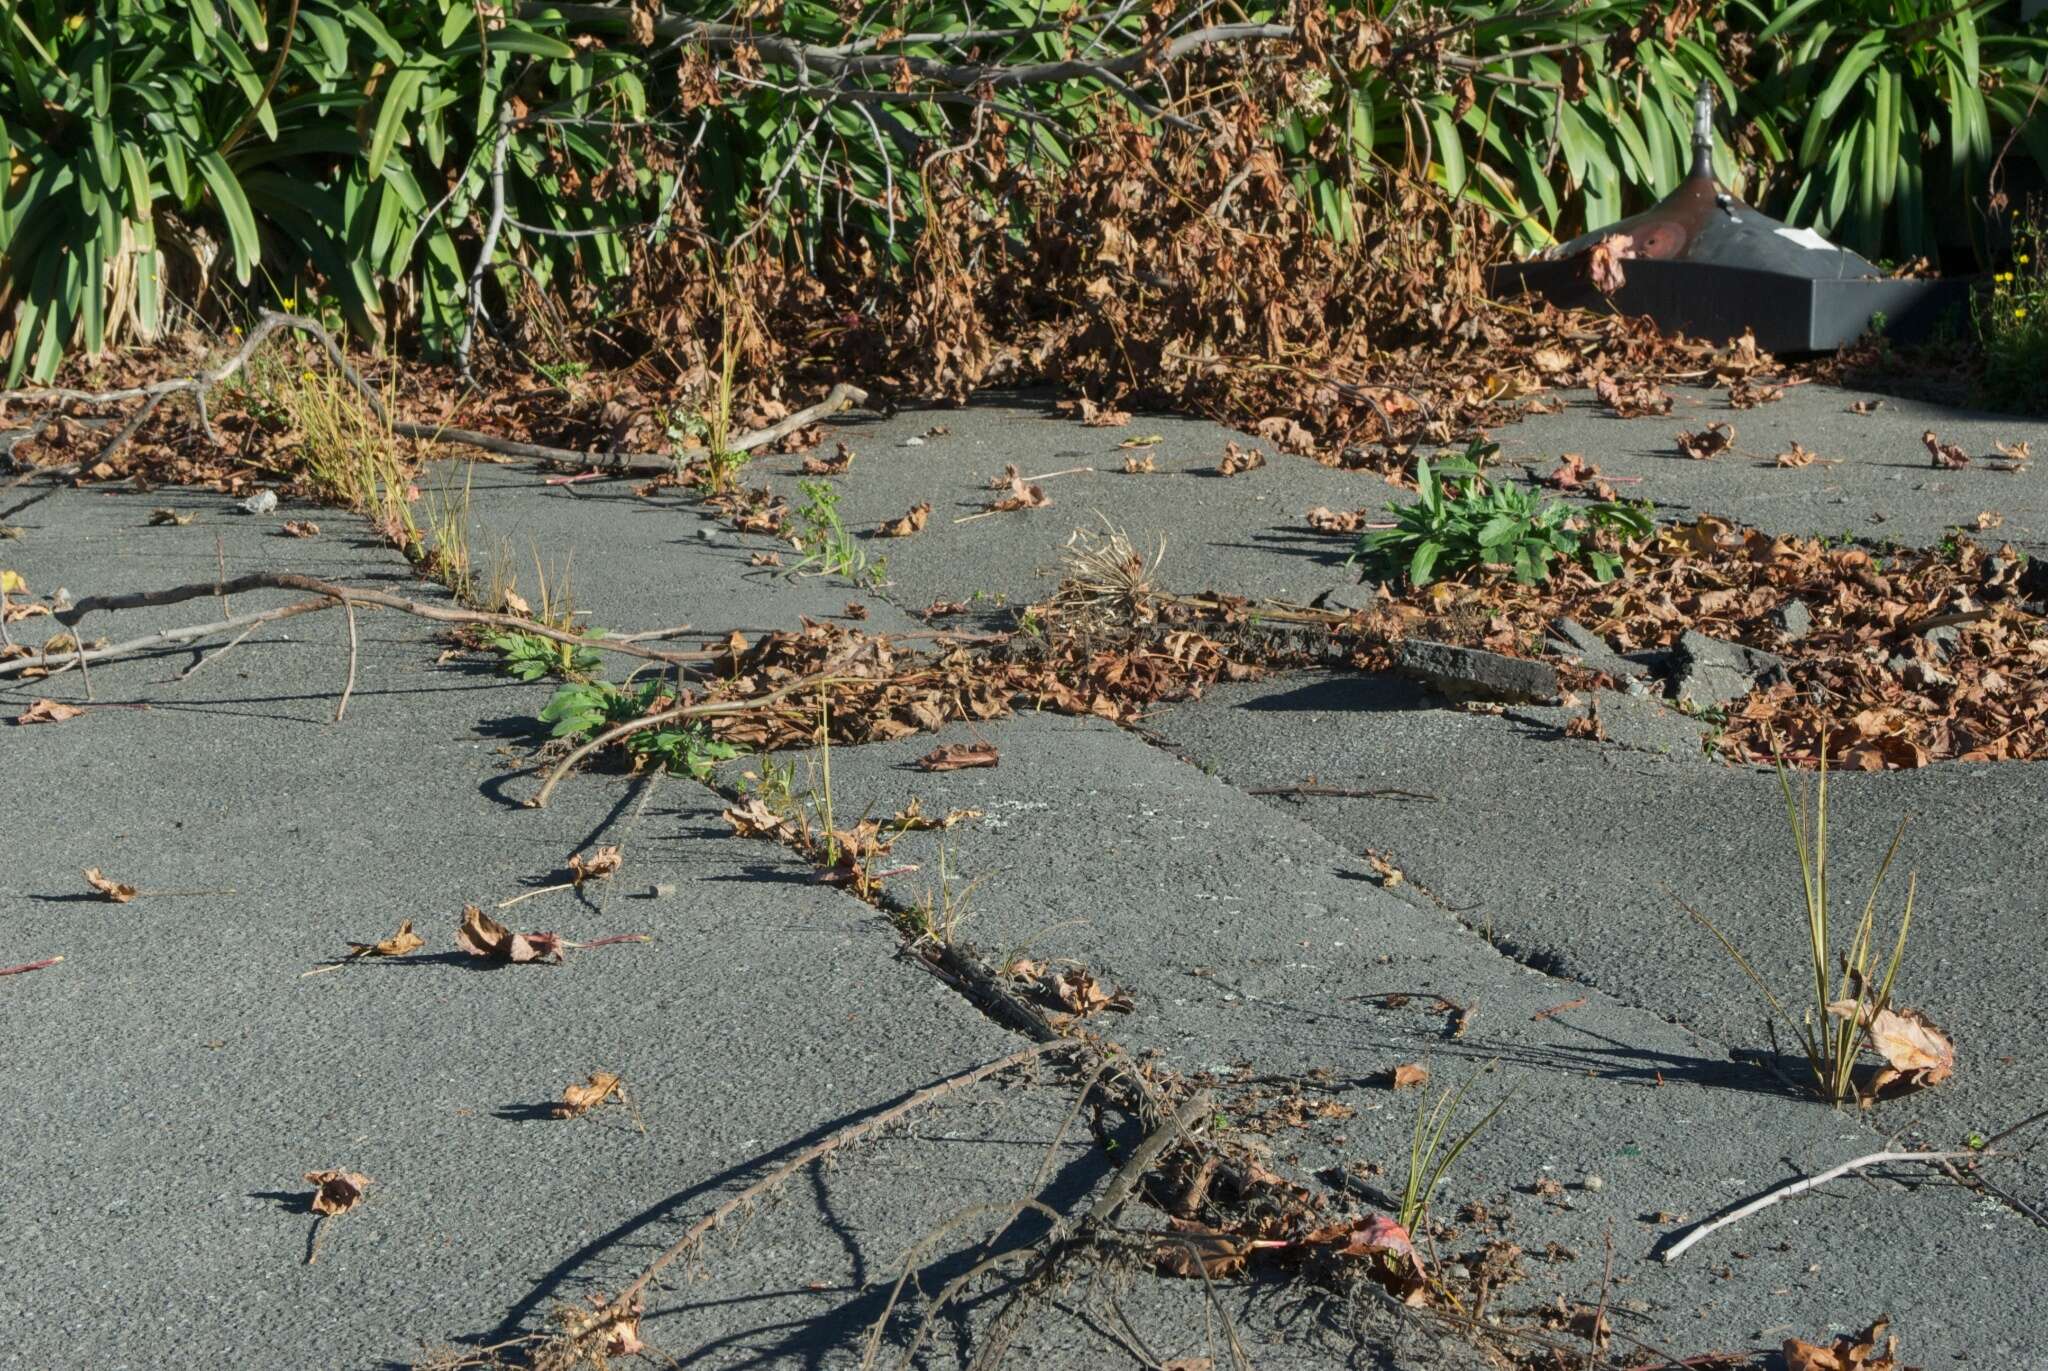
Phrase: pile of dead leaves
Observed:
(1913, 657)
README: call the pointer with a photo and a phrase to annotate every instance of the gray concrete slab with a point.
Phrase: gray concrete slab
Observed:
(1249, 938)
(175, 1075)
(1881, 485)
(635, 563)
(1571, 856)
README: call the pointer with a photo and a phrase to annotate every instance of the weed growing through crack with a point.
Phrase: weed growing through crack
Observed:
(442, 550)
(345, 454)
(1847, 993)
(823, 538)
(936, 918)
(581, 709)
(1468, 522)
(1429, 1159)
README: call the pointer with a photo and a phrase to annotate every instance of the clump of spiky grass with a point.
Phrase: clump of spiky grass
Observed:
(1847, 995)
(1429, 1158)
(1106, 579)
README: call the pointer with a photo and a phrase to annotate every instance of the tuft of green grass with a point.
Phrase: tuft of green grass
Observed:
(1847, 988)
(1429, 1158)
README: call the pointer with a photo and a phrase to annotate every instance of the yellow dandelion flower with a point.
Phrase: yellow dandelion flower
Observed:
(2024, 259)
(308, 377)
(2019, 314)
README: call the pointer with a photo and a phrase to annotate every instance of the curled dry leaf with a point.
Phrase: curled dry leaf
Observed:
(1237, 460)
(1870, 1350)
(1866, 406)
(765, 559)
(111, 890)
(755, 820)
(1798, 455)
(910, 523)
(480, 935)
(1604, 261)
(1916, 1053)
(958, 757)
(1575, 474)
(1989, 518)
(1287, 434)
(1081, 994)
(1389, 874)
(400, 944)
(601, 863)
(1101, 416)
(1747, 394)
(835, 465)
(941, 609)
(912, 818)
(2012, 456)
(1641, 398)
(301, 528)
(1711, 441)
(1194, 1250)
(1946, 456)
(336, 1192)
(46, 711)
(1409, 1073)
(856, 611)
(581, 1097)
(1022, 494)
(1323, 519)
(1141, 466)
(168, 517)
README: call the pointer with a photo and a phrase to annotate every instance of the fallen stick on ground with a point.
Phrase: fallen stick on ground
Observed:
(853, 1132)
(29, 966)
(1326, 792)
(1800, 1187)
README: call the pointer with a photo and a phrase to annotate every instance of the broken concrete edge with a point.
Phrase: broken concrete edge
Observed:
(1475, 673)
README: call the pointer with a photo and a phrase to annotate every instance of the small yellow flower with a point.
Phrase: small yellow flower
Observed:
(308, 377)
(2019, 314)
(2003, 276)
(2024, 259)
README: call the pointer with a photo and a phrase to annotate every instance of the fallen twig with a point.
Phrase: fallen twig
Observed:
(29, 966)
(1337, 793)
(1800, 1187)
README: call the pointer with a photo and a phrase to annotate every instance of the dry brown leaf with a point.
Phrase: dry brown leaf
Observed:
(1389, 874)
(912, 522)
(755, 820)
(1989, 518)
(835, 465)
(1575, 474)
(1870, 1350)
(1640, 399)
(602, 862)
(402, 943)
(2013, 456)
(1798, 455)
(301, 528)
(480, 935)
(765, 559)
(579, 1098)
(1081, 994)
(1745, 394)
(1915, 1051)
(1711, 441)
(1237, 460)
(958, 757)
(1604, 261)
(168, 517)
(855, 610)
(1141, 466)
(336, 1192)
(46, 711)
(1410, 1073)
(1946, 456)
(1102, 416)
(912, 818)
(109, 889)
(1323, 519)
(1287, 434)
(1866, 406)
(1194, 1249)
(1021, 493)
